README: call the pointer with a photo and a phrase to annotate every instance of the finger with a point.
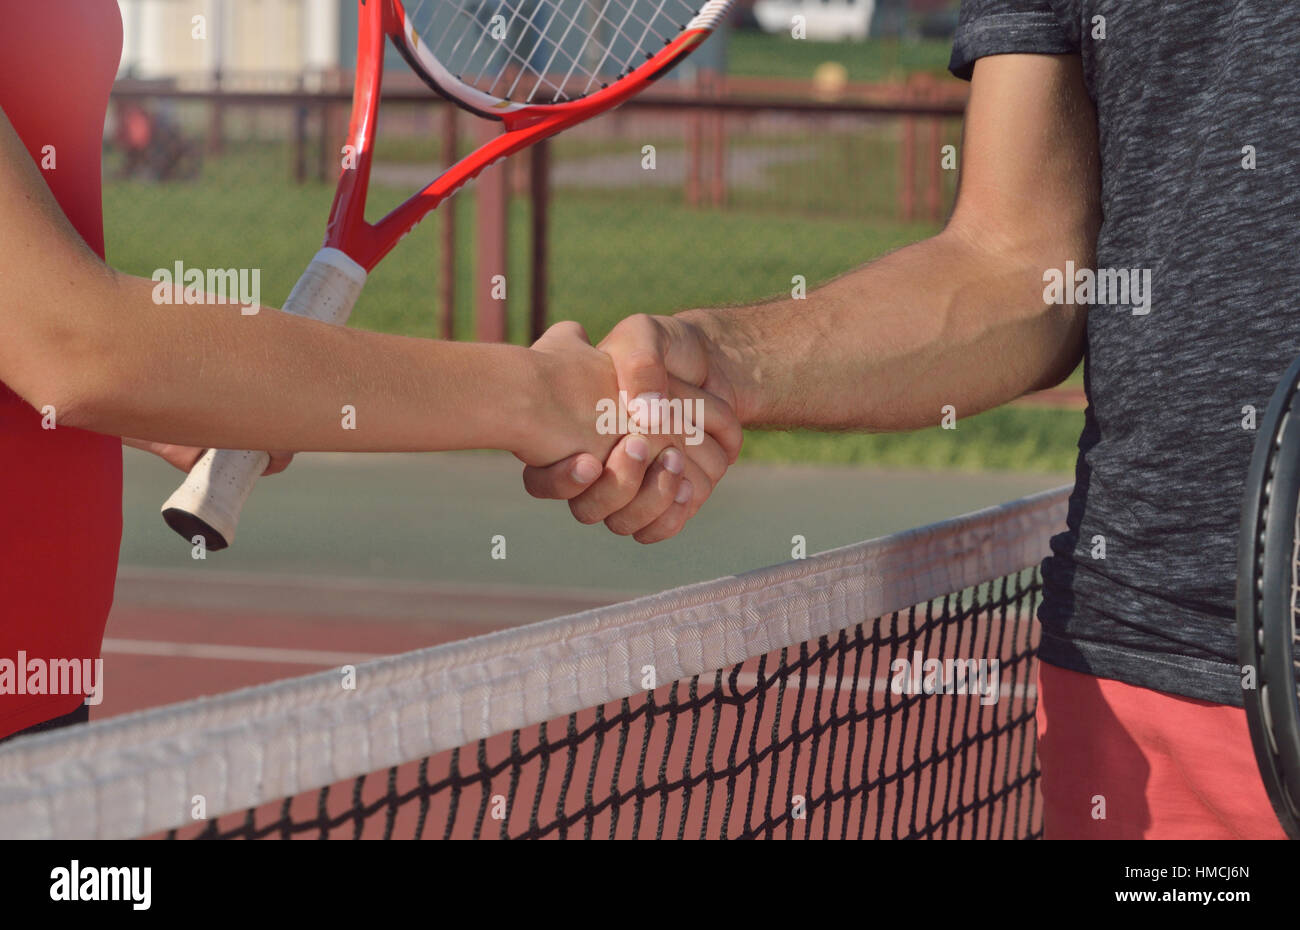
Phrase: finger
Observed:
(669, 523)
(628, 498)
(707, 461)
(657, 493)
(710, 456)
(279, 462)
(564, 480)
(618, 484)
(709, 415)
(694, 490)
(182, 457)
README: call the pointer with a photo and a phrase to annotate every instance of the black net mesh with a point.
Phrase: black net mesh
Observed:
(885, 730)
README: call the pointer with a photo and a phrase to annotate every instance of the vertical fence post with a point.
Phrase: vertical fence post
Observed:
(935, 192)
(325, 153)
(300, 136)
(450, 144)
(907, 189)
(540, 194)
(694, 148)
(216, 116)
(492, 200)
(718, 144)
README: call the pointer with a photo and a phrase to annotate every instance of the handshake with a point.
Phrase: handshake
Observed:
(642, 466)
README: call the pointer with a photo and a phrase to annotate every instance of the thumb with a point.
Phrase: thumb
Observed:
(638, 347)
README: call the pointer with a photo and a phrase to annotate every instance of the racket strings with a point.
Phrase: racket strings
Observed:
(540, 51)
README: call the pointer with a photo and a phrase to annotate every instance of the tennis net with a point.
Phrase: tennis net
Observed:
(885, 689)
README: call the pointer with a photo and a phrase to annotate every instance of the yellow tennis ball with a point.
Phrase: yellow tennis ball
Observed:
(829, 79)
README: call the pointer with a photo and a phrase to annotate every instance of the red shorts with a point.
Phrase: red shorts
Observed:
(1122, 762)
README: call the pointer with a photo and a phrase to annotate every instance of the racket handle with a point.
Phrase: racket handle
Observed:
(208, 502)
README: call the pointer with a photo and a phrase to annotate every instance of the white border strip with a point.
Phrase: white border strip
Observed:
(135, 775)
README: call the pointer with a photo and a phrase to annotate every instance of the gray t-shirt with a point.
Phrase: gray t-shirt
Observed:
(1198, 108)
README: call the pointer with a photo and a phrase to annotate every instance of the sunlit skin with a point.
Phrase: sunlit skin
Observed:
(957, 319)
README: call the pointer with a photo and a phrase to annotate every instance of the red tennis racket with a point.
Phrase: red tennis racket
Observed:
(536, 66)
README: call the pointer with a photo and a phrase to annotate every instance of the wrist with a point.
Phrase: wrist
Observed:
(554, 420)
(530, 400)
(731, 362)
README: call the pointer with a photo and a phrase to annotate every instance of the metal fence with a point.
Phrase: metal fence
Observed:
(727, 191)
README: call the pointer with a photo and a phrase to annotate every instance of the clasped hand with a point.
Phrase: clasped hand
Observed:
(582, 441)
(646, 482)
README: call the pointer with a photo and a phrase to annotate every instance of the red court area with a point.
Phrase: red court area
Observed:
(175, 636)
(154, 656)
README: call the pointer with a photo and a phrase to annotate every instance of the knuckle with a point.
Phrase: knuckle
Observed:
(584, 512)
(567, 327)
(620, 525)
(641, 361)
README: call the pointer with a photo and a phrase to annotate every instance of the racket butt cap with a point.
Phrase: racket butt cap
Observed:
(189, 526)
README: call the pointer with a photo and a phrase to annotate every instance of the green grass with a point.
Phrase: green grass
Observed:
(758, 54)
(861, 171)
(613, 254)
(1007, 439)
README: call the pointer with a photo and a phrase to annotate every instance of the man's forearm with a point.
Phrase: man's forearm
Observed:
(887, 346)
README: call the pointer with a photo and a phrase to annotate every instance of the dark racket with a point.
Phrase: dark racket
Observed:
(536, 67)
(1268, 596)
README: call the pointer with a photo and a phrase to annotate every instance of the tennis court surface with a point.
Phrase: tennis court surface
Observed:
(764, 705)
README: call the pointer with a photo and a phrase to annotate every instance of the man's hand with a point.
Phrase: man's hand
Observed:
(652, 484)
(184, 457)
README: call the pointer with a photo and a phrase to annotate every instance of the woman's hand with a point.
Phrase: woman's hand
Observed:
(573, 379)
(184, 457)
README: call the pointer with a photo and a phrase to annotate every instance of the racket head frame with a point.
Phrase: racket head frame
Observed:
(524, 124)
(1266, 586)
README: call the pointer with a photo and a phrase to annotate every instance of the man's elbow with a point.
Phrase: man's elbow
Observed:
(1063, 339)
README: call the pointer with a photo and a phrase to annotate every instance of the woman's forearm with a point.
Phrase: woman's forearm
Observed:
(94, 346)
(210, 376)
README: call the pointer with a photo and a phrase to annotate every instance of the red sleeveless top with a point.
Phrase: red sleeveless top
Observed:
(60, 489)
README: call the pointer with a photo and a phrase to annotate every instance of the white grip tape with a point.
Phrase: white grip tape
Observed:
(222, 479)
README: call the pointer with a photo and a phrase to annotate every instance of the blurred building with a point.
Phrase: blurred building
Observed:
(269, 44)
(824, 20)
(849, 20)
(238, 42)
